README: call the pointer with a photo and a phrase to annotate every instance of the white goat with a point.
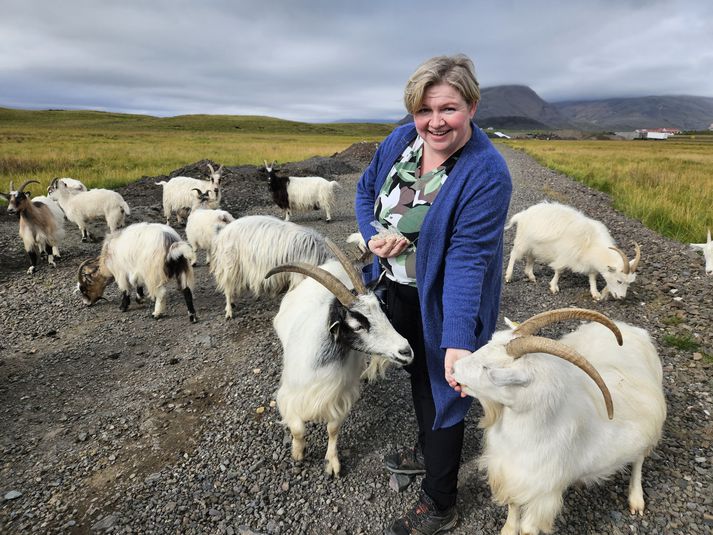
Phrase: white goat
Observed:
(178, 193)
(707, 249)
(71, 183)
(204, 223)
(326, 333)
(546, 427)
(41, 223)
(564, 238)
(301, 193)
(250, 246)
(144, 256)
(81, 207)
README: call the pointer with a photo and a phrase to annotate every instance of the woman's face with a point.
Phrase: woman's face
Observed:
(443, 120)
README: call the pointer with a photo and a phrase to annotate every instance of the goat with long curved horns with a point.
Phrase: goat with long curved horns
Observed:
(545, 427)
(327, 325)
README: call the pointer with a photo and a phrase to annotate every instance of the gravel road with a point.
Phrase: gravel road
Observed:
(114, 422)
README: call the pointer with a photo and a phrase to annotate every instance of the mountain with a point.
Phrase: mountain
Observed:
(517, 106)
(684, 112)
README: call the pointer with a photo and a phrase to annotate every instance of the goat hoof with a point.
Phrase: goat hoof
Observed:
(192, 318)
(31, 270)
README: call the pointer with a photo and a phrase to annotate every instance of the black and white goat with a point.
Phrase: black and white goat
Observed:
(144, 256)
(250, 246)
(301, 193)
(178, 193)
(328, 325)
(545, 425)
(81, 207)
(41, 223)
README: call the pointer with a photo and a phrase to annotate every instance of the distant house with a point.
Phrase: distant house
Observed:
(657, 133)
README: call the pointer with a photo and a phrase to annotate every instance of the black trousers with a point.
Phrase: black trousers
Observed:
(441, 447)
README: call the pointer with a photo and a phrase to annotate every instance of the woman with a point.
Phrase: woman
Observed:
(442, 191)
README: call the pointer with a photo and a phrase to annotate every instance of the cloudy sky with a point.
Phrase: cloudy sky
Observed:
(325, 60)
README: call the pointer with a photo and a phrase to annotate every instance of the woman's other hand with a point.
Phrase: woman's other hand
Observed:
(452, 356)
(388, 246)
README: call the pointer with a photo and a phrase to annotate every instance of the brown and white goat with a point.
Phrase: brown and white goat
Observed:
(41, 228)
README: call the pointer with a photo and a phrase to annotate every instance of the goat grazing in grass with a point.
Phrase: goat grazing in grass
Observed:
(328, 325)
(545, 425)
(41, 223)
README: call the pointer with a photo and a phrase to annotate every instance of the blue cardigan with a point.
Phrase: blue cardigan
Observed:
(459, 255)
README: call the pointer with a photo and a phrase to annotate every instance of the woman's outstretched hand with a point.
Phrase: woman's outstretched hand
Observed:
(388, 246)
(452, 356)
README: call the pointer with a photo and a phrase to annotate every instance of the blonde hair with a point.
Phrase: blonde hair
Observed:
(457, 71)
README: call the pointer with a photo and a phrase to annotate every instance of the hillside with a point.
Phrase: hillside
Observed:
(684, 112)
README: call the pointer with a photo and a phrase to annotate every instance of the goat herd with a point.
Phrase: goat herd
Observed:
(545, 425)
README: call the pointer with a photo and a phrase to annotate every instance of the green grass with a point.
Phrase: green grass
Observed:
(667, 185)
(684, 342)
(111, 149)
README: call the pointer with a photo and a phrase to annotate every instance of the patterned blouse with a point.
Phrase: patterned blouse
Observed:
(403, 202)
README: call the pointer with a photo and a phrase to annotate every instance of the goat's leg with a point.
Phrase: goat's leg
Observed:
(554, 283)
(287, 215)
(33, 261)
(297, 429)
(139, 294)
(332, 465)
(529, 267)
(85, 233)
(228, 305)
(514, 257)
(160, 305)
(593, 286)
(512, 524)
(188, 296)
(636, 493)
(50, 257)
(539, 515)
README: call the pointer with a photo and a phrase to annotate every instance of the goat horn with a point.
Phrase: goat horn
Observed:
(211, 169)
(354, 276)
(624, 259)
(518, 347)
(53, 184)
(12, 186)
(537, 322)
(637, 256)
(708, 238)
(325, 278)
(21, 188)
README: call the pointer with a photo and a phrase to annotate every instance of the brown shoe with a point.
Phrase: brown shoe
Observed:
(424, 519)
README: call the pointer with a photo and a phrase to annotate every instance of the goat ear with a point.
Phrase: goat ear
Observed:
(5, 196)
(334, 329)
(508, 377)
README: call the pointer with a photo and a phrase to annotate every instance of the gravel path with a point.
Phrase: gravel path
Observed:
(118, 423)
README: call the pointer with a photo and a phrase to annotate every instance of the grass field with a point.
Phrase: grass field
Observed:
(112, 149)
(667, 185)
